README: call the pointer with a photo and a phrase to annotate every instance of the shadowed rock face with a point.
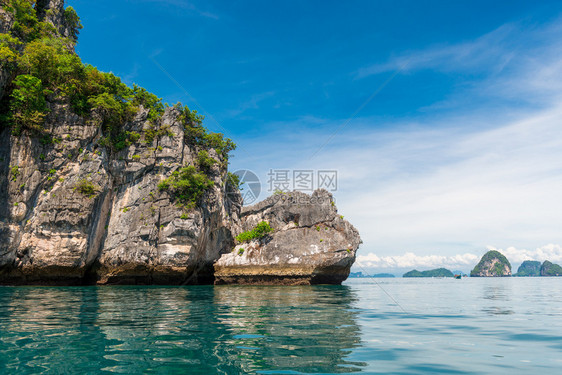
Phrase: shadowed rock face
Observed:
(311, 243)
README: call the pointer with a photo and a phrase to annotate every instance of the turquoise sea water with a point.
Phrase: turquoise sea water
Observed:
(468, 326)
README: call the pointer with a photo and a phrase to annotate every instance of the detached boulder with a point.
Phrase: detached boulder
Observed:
(309, 243)
(492, 264)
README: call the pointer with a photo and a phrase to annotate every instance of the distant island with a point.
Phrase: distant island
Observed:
(529, 268)
(377, 275)
(492, 264)
(550, 269)
(438, 272)
(495, 264)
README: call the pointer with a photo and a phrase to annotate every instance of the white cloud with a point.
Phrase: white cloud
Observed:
(490, 52)
(464, 261)
(411, 260)
(549, 252)
(446, 183)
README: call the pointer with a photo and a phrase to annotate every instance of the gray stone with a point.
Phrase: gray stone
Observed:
(311, 243)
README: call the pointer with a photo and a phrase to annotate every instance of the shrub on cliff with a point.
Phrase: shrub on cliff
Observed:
(28, 105)
(86, 188)
(73, 22)
(261, 230)
(205, 162)
(233, 180)
(8, 50)
(187, 185)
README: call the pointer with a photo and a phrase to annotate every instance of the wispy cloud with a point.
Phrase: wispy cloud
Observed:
(438, 189)
(491, 51)
(250, 103)
(466, 261)
(186, 6)
(411, 260)
(551, 252)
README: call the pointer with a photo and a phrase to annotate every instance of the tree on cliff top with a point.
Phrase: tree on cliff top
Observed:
(47, 60)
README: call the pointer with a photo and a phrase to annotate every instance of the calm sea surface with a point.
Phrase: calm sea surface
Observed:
(469, 326)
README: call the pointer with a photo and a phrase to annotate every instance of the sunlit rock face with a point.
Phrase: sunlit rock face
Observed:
(127, 231)
(74, 209)
(310, 244)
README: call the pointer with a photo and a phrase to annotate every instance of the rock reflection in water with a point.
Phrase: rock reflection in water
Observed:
(497, 300)
(305, 329)
(196, 330)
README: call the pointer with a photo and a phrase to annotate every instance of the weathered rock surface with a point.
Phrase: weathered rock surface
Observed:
(492, 264)
(128, 231)
(122, 229)
(550, 269)
(311, 243)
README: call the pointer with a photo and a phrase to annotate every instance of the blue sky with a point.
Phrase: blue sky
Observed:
(442, 118)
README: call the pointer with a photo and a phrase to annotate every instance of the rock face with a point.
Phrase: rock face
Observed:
(127, 231)
(529, 268)
(550, 269)
(311, 243)
(492, 264)
(74, 210)
(438, 272)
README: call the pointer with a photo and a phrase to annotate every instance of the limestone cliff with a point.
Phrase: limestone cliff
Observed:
(95, 178)
(492, 264)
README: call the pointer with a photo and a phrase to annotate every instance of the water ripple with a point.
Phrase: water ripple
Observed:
(468, 327)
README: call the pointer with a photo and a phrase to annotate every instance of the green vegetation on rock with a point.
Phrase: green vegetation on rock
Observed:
(205, 162)
(550, 269)
(493, 263)
(47, 70)
(261, 230)
(86, 188)
(188, 185)
(438, 272)
(529, 268)
(234, 181)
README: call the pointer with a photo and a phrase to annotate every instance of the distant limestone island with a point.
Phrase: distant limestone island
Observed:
(377, 275)
(438, 272)
(495, 264)
(492, 264)
(534, 268)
